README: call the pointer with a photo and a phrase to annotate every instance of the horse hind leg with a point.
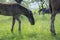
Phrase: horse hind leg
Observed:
(13, 22)
(52, 22)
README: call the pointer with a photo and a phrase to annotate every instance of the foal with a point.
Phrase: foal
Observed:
(15, 10)
(54, 7)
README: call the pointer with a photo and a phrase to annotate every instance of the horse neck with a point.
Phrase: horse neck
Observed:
(24, 10)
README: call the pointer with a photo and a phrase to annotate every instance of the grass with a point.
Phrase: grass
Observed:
(39, 31)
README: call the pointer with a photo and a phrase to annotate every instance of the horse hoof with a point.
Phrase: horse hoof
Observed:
(53, 32)
(19, 29)
(11, 31)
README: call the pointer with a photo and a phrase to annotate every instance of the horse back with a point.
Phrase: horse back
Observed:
(9, 9)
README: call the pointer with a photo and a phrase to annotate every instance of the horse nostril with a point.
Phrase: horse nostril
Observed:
(33, 23)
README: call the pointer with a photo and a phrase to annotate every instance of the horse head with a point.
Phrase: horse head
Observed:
(30, 17)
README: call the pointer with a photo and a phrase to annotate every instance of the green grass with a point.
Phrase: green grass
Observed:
(39, 31)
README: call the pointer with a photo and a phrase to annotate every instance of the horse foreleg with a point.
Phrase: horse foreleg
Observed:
(13, 22)
(52, 22)
(19, 23)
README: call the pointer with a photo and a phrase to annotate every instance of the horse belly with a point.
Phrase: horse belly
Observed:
(55, 4)
(7, 13)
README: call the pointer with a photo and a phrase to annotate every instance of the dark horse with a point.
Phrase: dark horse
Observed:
(15, 10)
(46, 11)
(54, 6)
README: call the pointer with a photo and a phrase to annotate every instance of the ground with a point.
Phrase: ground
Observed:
(39, 31)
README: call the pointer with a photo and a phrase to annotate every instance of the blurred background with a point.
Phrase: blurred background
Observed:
(30, 4)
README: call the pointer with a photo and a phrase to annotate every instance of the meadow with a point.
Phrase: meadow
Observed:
(39, 31)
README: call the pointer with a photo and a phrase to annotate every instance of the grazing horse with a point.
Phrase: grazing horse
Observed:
(54, 6)
(15, 10)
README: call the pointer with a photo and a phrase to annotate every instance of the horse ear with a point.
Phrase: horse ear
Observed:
(19, 1)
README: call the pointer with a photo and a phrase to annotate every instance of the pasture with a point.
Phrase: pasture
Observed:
(39, 31)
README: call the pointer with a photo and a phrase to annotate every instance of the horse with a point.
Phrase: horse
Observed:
(54, 6)
(46, 11)
(15, 10)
